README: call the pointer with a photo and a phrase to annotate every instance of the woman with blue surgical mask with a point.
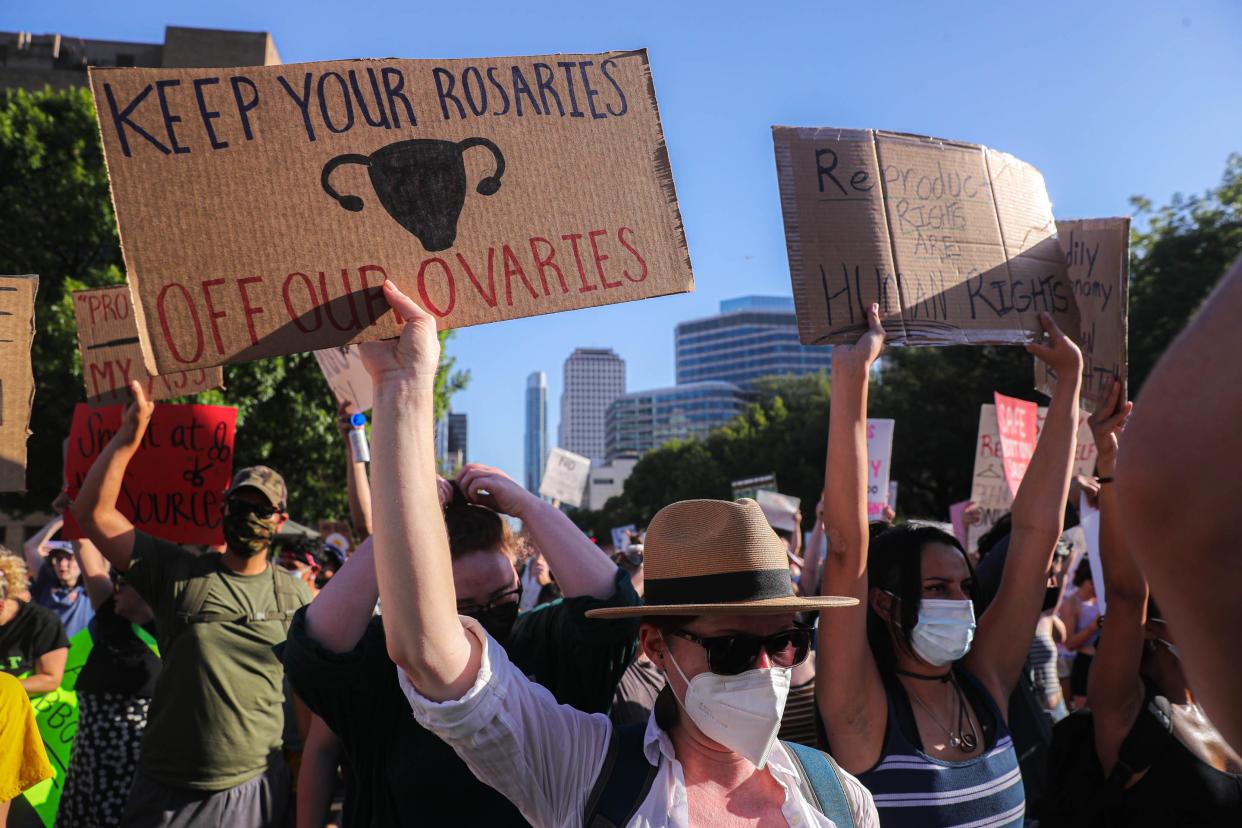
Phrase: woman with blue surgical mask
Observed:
(916, 704)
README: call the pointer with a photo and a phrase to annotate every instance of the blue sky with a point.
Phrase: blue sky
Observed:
(1108, 99)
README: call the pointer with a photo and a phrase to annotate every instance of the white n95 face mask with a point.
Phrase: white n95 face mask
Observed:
(741, 712)
(944, 632)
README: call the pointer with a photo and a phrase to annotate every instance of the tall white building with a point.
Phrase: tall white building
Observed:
(536, 429)
(594, 377)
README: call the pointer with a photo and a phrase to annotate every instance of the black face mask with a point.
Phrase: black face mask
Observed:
(498, 621)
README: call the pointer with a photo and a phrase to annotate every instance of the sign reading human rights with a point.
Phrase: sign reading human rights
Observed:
(955, 242)
(111, 356)
(260, 209)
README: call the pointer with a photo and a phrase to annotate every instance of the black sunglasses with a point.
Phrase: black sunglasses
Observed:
(728, 655)
(510, 597)
(236, 506)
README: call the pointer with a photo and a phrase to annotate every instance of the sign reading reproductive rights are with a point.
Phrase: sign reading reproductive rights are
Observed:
(260, 209)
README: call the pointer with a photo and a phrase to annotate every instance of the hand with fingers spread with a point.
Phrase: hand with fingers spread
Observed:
(494, 489)
(414, 356)
(1107, 423)
(1057, 350)
(862, 354)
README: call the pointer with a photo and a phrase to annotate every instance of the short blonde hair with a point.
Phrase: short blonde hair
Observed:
(14, 574)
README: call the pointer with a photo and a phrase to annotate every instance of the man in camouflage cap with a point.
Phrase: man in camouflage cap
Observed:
(211, 750)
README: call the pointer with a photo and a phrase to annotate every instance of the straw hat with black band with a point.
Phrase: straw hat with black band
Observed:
(713, 557)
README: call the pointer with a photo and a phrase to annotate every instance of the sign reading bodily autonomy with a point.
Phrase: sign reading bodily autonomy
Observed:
(260, 209)
(955, 242)
(111, 356)
(174, 487)
(1097, 255)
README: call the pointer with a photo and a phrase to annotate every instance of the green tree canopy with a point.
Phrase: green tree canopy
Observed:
(56, 221)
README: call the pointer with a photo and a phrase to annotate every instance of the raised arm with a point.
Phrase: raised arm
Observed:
(36, 549)
(1114, 689)
(95, 572)
(425, 637)
(1181, 526)
(1006, 628)
(95, 506)
(852, 703)
(356, 482)
(581, 567)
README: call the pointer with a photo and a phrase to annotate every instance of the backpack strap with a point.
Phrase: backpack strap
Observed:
(819, 779)
(623, 781)
(195, 596)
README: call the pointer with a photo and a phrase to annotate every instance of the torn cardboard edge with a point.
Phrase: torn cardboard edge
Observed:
(17, 382)
(917, 308)
(111, 354)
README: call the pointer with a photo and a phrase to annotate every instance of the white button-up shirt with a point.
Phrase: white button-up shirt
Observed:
(544, 757)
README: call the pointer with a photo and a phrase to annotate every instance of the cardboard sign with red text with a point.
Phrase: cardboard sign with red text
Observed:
(956, 242)
(1015, 422)
(17, 387)
(1097, 256)
(989, 487)
(346, 375)
(175, 483)
(260, 208)
(111, 355)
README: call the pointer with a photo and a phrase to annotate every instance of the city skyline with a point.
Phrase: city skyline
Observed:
(536, 438)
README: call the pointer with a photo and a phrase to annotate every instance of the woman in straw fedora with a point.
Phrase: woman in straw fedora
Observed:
(916, 704)
(719, 621)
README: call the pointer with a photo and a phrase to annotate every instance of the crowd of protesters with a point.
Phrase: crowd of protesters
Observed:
(710, 671)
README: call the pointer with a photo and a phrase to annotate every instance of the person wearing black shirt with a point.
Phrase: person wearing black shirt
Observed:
(114, 691)
(337, 660)
(33, 644)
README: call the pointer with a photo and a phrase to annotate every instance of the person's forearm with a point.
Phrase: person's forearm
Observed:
(317, 775)
(581, 567)
(1040, 502)
(845, 475)
(340, 613)
(95, 573)
(40, 683)
(34, 546)
(411, 548)
(359, 489)
(95, 506)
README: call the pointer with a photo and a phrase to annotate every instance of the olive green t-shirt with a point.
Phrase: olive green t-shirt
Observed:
(216, 717)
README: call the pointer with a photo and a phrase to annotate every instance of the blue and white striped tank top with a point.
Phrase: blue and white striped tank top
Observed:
(914, 790)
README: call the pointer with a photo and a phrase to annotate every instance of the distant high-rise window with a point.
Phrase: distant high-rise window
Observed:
(593, 378)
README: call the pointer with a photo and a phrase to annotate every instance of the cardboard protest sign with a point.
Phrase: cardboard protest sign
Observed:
(989, 486)
(1090, 522)
(260, 208)
(779, 509)
(955, 242)
(111, 355)
(565, 477)
(879, 456)
(1015, 422)
(751, 486)
(337, 533)
(174, 485)
(347, 377)
(17, 297)
(1097, 258)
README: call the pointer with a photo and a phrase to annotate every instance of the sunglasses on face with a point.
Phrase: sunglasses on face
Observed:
(509, 597)
(729, 655)
(241, 507)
